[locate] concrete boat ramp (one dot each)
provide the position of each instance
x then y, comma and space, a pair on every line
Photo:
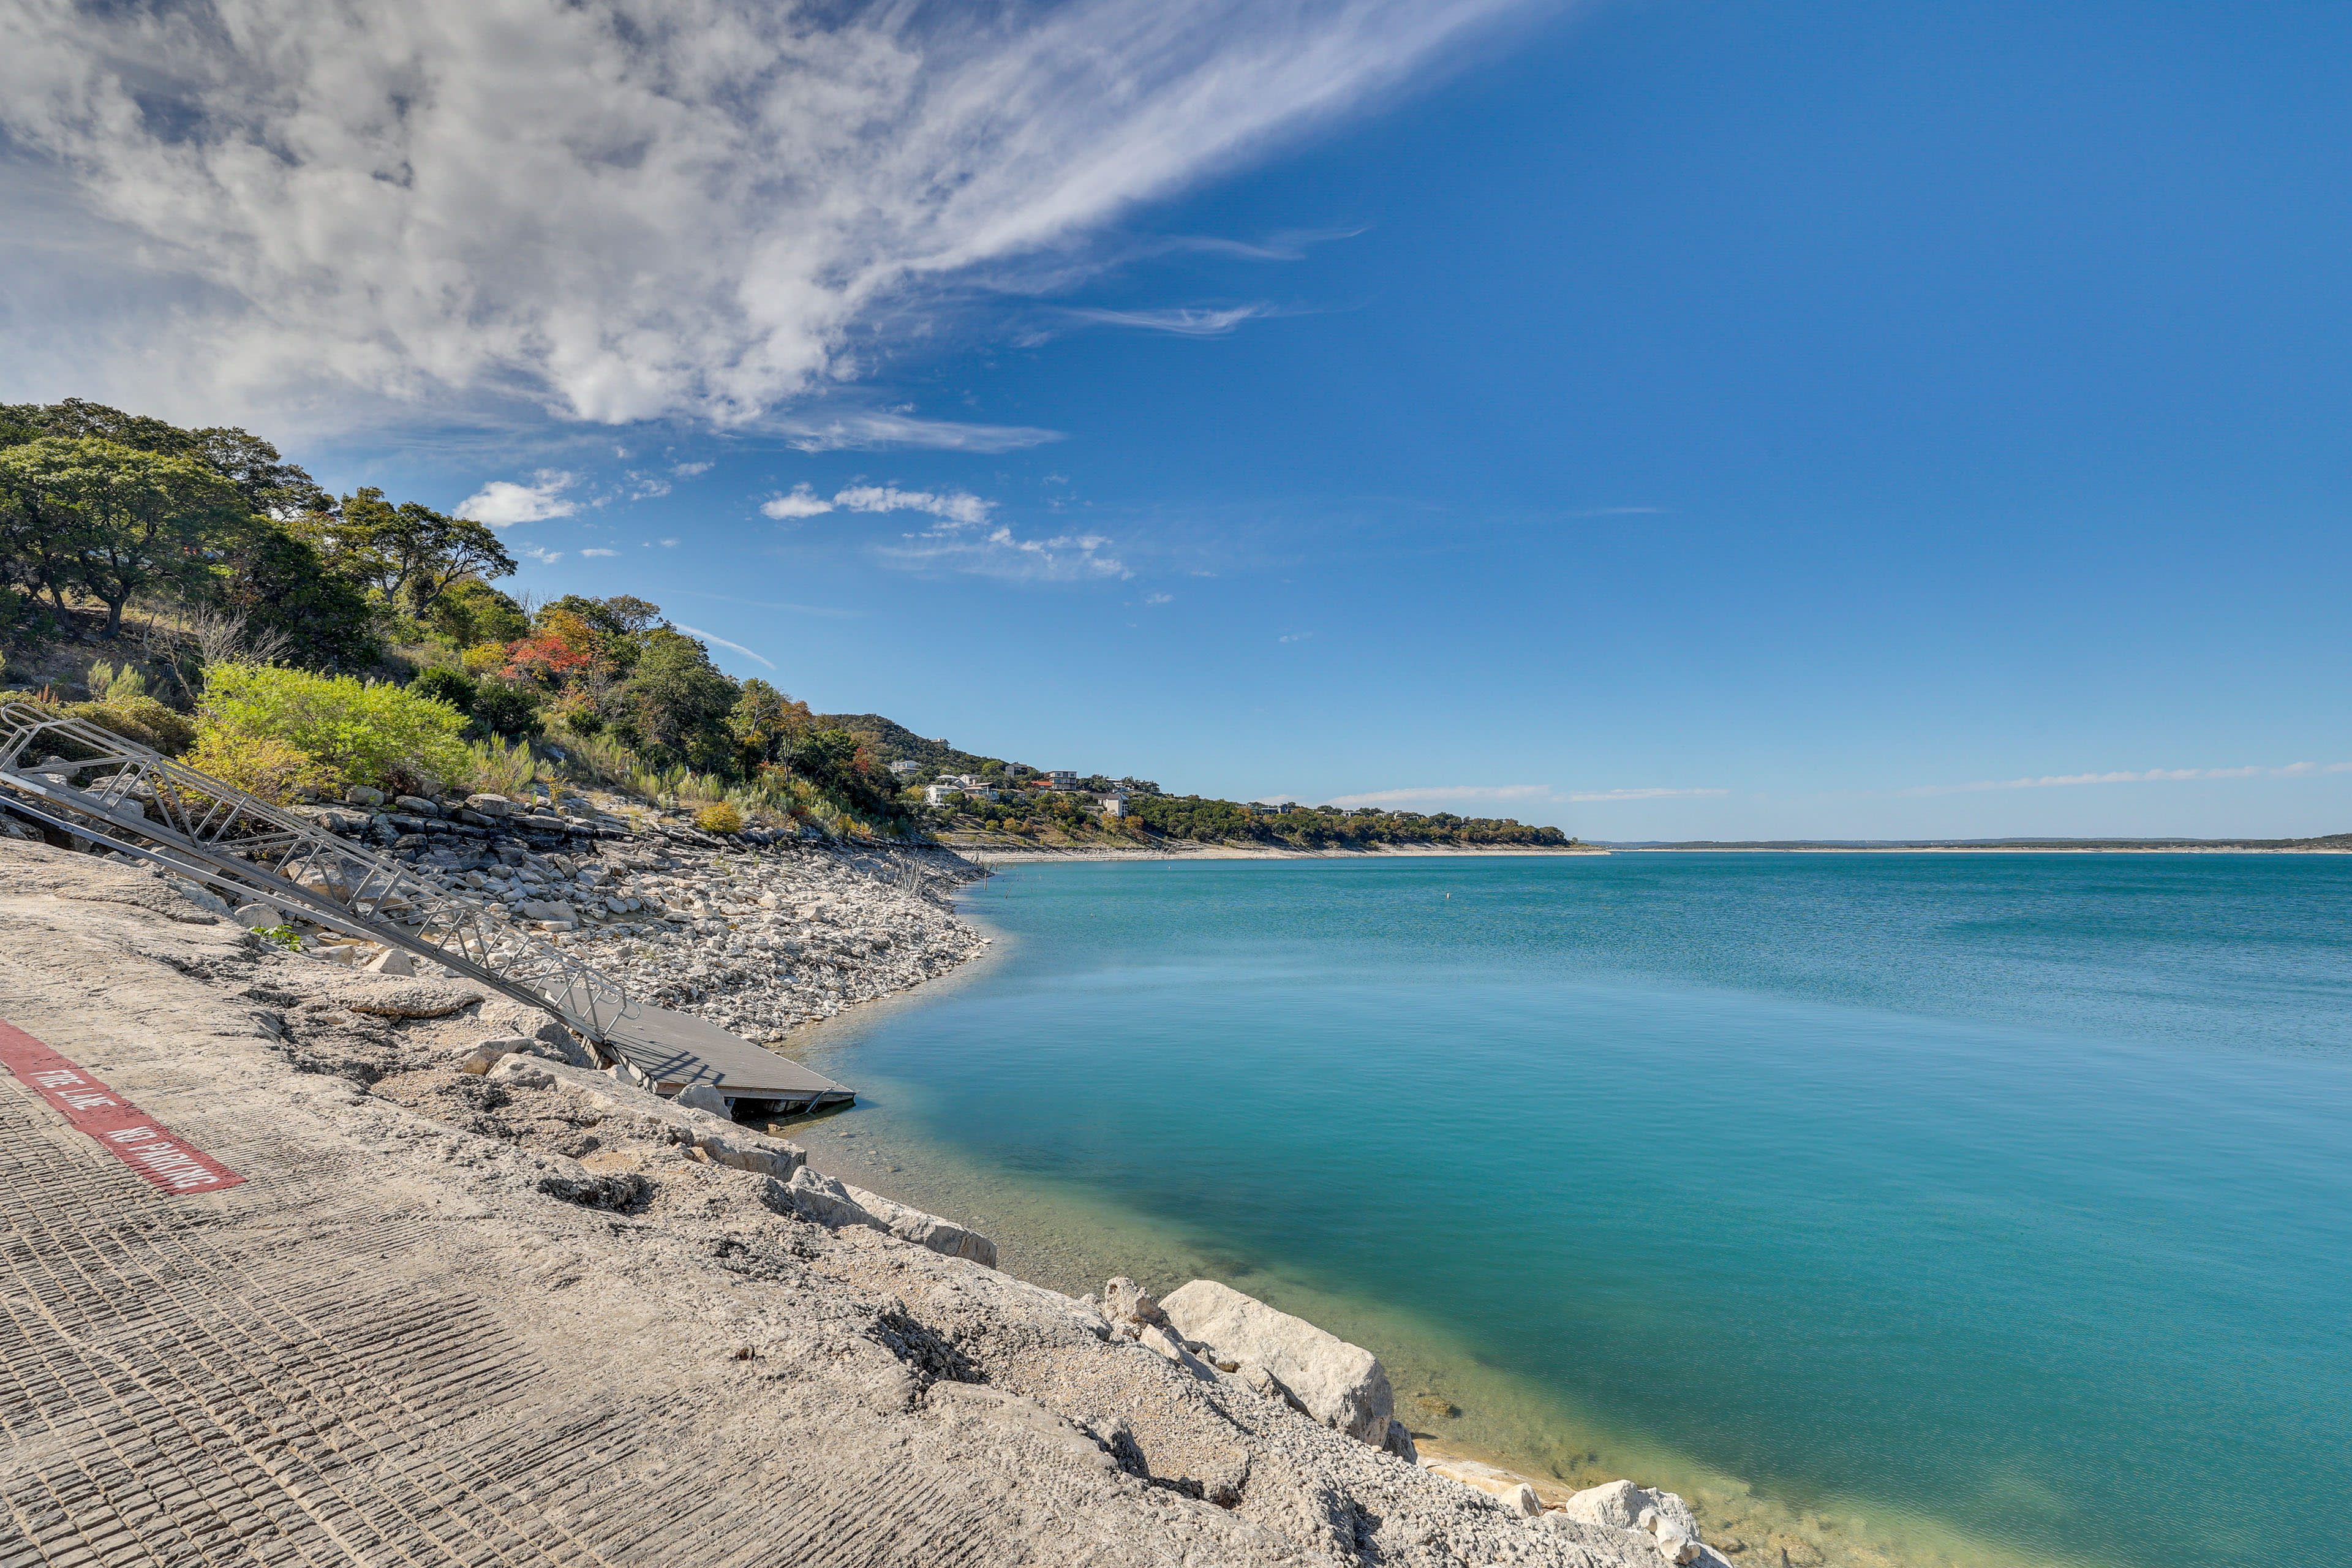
676, 1051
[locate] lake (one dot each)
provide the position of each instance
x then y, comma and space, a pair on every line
1914, 1208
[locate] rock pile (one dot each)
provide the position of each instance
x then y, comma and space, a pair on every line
755, 931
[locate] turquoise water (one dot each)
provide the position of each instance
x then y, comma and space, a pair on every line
1914, 1207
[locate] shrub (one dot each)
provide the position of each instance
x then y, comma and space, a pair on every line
442, 684
263, 765
721, 816
506, 708
361, 732
140, 719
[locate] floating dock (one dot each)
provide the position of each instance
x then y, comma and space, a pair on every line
678, 1051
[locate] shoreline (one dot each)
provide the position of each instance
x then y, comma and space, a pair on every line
984, 854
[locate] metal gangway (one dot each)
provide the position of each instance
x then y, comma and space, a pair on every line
73, 776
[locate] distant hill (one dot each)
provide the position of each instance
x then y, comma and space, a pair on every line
895, 742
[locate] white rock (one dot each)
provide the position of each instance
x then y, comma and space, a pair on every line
485, 1055
701, 1097
833, 1203
257, 915
394, 961
1622, 1505
1342, 1385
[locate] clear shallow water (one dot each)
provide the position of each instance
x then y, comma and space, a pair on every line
1906, 1207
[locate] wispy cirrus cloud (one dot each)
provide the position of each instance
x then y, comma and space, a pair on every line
600, 553
1183, 322
722, 642
614, 210
1000, 552
2145, 775
872, 432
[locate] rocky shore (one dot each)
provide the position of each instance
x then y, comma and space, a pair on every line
751, 1353
756, 931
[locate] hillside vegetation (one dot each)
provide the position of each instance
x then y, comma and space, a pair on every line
194, 592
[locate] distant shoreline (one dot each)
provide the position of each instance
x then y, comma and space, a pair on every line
1008, 856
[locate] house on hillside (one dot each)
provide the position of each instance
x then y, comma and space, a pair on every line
906, 768
937, 794
1061, 778
1111, 804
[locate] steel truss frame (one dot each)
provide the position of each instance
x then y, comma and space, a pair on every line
147, 806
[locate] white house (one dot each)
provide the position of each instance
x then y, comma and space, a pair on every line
1061, 778
905, 769
937, 794
1111, 804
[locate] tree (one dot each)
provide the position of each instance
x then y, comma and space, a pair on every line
277, 582
470, 612
765, 722
272, 487
409, 554
679, 700
117, 519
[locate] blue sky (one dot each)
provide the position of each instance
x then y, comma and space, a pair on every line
1660, 420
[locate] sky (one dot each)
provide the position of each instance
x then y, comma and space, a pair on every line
1661, 420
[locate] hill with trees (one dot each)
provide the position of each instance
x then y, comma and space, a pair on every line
193, 590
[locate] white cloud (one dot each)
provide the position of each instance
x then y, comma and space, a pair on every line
842, 432
2148, 775
1187, 323
689, 470
1294, 636
803, 503
544, 556
616, 209
958, 507
1158, 598
722, 642
669, 544
502, 504
1064, 558
600, 553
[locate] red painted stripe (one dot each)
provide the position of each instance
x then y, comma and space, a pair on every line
122, 1129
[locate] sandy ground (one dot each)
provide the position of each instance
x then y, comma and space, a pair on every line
513, 1319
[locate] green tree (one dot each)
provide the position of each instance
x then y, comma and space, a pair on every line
680, 702
765, 722
277, 582
409, 554
117, 519
469, 611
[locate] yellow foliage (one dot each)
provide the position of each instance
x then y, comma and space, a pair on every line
484, 656
140, 719
720, 817
262, 765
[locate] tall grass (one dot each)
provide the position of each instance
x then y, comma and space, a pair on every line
505, 768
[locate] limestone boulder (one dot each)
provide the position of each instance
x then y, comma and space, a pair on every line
1342, 1385
837, 1203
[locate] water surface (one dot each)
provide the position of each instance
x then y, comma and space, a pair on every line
1904, 1207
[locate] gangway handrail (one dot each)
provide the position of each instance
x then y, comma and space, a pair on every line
155, 809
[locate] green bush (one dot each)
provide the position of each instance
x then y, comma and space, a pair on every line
362, 732
505, 707
721, 816
442, 684
263, 765
140, 719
